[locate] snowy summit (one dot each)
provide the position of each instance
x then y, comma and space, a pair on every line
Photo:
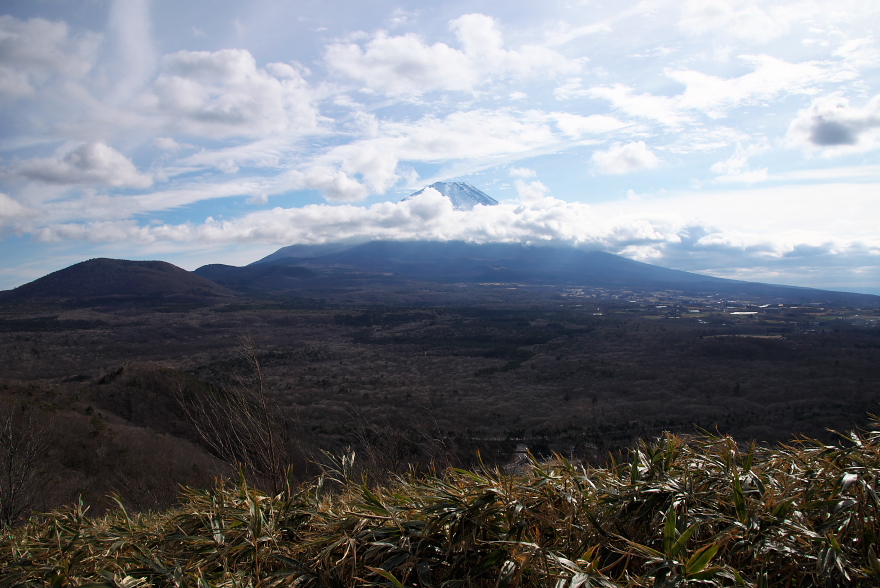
463, 196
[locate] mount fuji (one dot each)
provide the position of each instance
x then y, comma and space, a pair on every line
463, 196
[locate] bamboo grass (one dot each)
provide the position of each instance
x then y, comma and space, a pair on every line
705, 511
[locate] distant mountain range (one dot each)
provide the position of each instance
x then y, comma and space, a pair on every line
394, 262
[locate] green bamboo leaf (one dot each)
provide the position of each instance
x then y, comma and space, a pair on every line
749, 458
634, 468
699, 560
706, 574
682, 541
387, 575
835, 545
669, 532
739, 501
781, 509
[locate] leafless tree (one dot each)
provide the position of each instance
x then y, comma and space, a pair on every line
242, 423
23, 443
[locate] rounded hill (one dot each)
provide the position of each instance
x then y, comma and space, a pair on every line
107, 278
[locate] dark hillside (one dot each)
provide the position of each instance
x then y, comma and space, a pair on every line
269, 276
107, 278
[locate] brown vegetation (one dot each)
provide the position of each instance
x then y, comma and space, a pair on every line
421, 386
709, 512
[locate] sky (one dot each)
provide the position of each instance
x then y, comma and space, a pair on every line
736, 138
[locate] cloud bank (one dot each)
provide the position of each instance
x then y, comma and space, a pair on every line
652, 235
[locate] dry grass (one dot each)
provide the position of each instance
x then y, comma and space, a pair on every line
699, 512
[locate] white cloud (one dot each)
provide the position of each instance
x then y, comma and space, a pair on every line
714, 96
32, 51
12, 209
834, 126
261, 198
428, 216
90, 163
482, 42
336, 185
859, 53
577, 126
403, 65
749, 20
14, 84
224, 94
737, 168
406, 64
135, 57
345, 173
769, 78
746, 234
864, 173
623, 159
169, 144
522, 172
665, 110
719, 232
531, 192
743, 174
352, 171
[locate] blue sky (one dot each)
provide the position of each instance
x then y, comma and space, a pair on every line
735, 138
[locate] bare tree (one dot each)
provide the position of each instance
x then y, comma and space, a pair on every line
23, 443
242, 423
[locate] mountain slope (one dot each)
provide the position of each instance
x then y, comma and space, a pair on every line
463, 195
265, 276
457, 261
108, 278
285, 254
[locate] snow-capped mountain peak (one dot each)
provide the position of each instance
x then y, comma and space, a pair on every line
463, 195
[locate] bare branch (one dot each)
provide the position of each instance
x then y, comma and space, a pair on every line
242, 423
